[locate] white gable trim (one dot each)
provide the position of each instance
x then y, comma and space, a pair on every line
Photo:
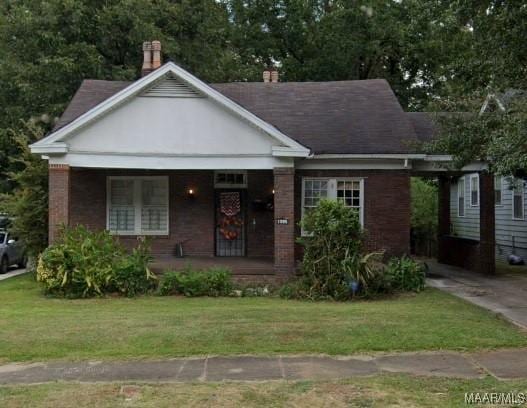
48, 144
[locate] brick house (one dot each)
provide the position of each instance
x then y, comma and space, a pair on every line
225, 171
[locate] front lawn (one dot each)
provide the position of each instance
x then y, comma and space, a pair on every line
33, 327
378, 391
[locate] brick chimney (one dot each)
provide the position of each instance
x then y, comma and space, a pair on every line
274, 75
156, 54
267, 75
151, 57
147, 58
270, 74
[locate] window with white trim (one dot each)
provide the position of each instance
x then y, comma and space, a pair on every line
497, 190
461, 197
348, 190
230, 179
474, 190
518, 200
137, 205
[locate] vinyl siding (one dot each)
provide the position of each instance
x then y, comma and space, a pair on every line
506, 227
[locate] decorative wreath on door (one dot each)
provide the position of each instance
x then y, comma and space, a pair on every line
230, 222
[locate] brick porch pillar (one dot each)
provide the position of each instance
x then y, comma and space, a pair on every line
59, 199
443, 222
487, 228
284, 224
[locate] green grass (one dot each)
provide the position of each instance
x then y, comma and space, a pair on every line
378, 391
33, 327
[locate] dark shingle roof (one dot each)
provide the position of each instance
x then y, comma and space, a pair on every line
424, 125
360, 117
91, 93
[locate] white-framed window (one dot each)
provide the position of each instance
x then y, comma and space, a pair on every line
518, 205
461, 197
137, 205
348, 190
230, 179
474, 190
498, 186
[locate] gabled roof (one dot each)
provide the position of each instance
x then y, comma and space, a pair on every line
93, 106
503, 101
339, 117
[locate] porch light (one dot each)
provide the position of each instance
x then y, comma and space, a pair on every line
273, 190
190, 192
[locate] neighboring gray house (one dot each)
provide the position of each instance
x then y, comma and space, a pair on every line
511, 224
510, 197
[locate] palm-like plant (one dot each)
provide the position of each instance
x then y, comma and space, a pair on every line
361, 268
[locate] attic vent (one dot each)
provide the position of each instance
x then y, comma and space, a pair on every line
171, 87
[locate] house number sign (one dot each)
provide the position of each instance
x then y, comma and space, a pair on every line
282, 221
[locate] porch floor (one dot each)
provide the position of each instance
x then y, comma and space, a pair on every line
238, 265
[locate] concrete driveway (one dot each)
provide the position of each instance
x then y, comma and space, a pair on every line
11, 273
505, 294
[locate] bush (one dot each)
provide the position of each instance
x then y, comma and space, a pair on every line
293, 290
333, 245
85, 264
132, 276
405, 274
215, 281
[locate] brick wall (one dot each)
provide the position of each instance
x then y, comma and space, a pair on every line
192, 219
59, 199
386, 213
284, 235
387, 206
487, 224
462, 252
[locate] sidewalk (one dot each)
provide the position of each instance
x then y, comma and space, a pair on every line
502, 294
11, 274
504, 364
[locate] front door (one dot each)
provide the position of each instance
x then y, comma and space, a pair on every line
230, 223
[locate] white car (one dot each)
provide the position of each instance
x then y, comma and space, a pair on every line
12, 252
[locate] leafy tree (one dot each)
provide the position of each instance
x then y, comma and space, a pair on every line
409, 43
493, 61
28, 202
48, 47
496, 137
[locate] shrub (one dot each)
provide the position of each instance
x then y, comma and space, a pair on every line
334, 242
169, 283
132, 276
219, 281
85, 263
405, 274
363, 268
215, 281
293, 290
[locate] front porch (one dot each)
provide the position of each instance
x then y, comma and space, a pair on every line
214, 218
